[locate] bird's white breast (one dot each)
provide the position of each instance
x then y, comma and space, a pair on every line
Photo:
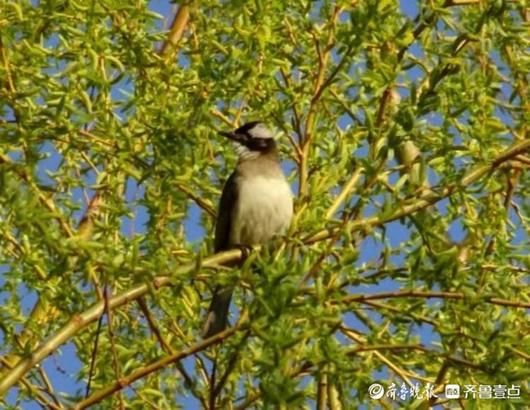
264, 209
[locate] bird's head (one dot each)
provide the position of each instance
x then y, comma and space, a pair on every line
252, 139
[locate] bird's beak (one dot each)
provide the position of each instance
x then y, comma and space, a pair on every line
231, 135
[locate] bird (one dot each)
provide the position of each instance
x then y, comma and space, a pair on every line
256, 205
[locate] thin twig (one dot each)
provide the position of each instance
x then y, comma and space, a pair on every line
114, 354
36, 390
345, 192
93, 356
322, 391
231, 364
155, 366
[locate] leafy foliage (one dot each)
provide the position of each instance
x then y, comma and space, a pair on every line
406, 139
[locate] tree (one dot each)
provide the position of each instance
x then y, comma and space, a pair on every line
406, 138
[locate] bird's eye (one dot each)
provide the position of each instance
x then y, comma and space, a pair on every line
258, 144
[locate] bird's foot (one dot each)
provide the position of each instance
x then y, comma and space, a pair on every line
245, 250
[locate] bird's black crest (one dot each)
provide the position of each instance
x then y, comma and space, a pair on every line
245, 128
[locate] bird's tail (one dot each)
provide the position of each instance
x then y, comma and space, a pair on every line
217, 316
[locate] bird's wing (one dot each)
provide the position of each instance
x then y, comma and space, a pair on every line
217, 316
224, 217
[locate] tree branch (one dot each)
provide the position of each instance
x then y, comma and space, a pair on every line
125, 381
319, 86
429, 198
431, 295
177, 30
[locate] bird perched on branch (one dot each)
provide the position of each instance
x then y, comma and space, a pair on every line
256, 204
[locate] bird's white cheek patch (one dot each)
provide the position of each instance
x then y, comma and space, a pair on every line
244, 153
265, 209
